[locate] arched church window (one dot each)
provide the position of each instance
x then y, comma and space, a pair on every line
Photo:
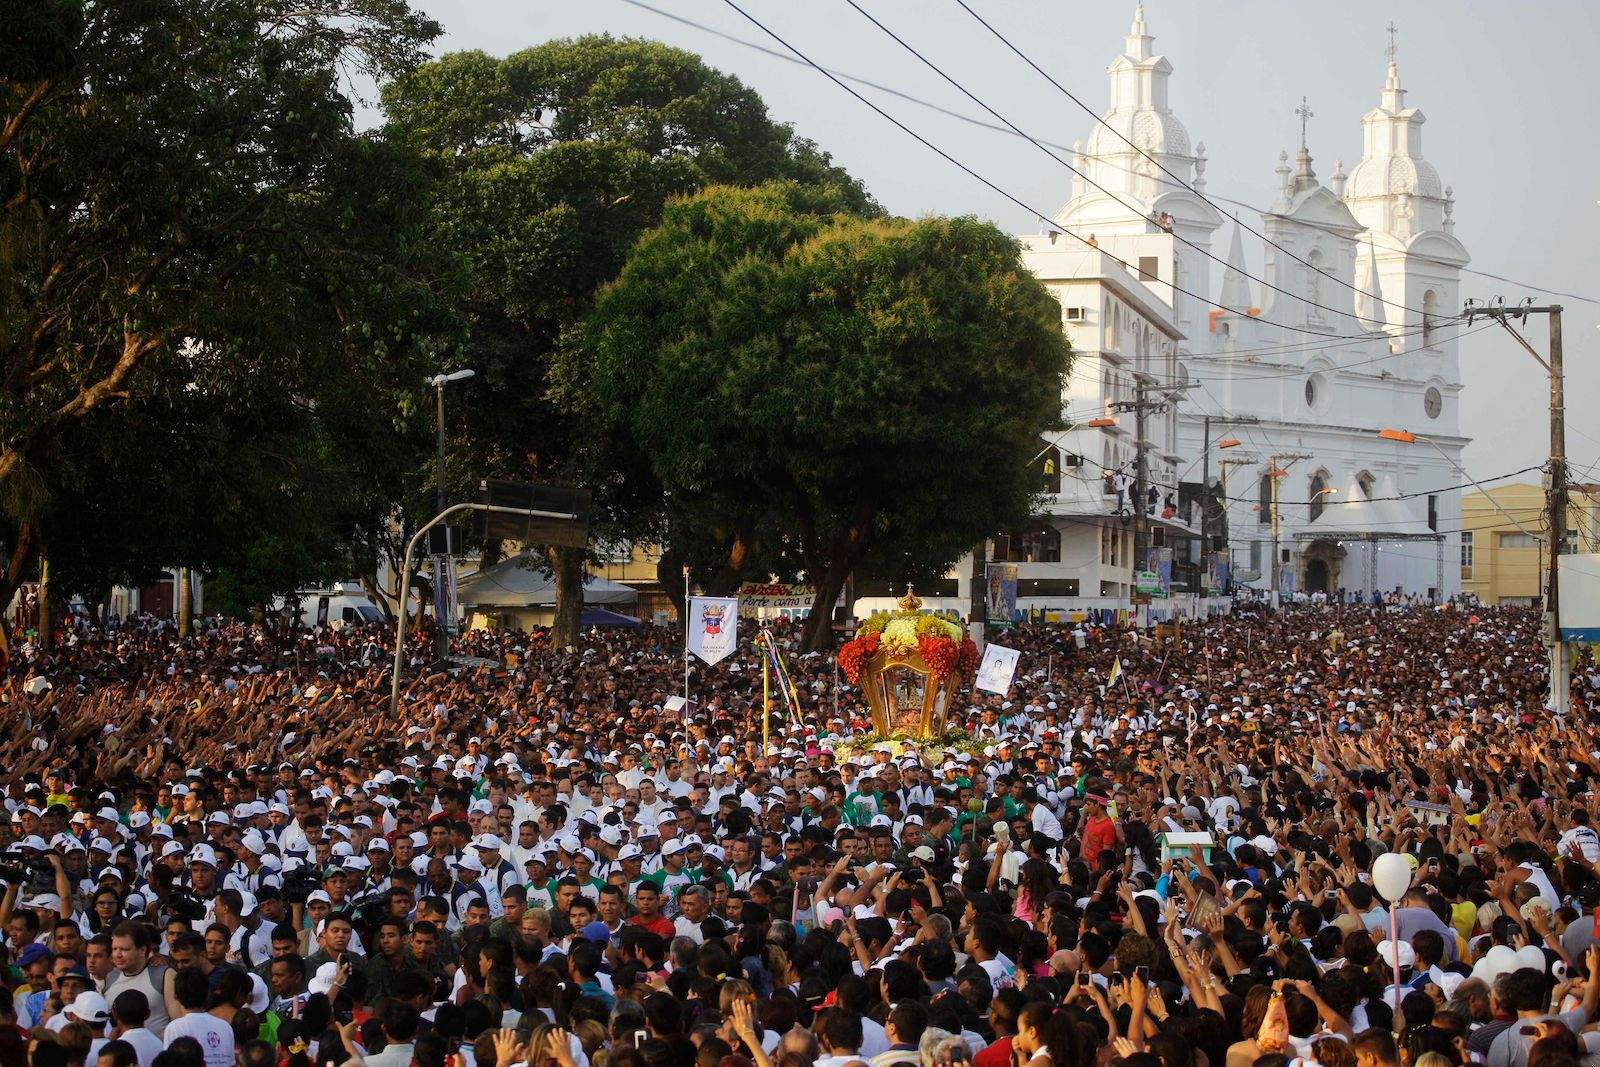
1317, 494
1264, 500
1430, 317
1365, 482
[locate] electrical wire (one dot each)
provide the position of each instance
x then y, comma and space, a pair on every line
970, 172
1181, 182
993, 127
1118, 200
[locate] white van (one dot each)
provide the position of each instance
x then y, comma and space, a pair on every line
330, 608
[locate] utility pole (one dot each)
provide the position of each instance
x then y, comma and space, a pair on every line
1141, 405
1556, 475
1205, 471
1276, 474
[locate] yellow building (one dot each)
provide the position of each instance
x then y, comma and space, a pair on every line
1504, 541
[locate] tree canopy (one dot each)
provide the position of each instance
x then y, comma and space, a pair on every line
548, 165
857, 391
193, 237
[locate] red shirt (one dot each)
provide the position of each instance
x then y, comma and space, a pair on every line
996, 1055
659, 925
1099, 834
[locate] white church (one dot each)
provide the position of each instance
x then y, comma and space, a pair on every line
1319, 397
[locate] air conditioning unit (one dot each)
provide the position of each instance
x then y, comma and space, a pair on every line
1077, 314
1071, 459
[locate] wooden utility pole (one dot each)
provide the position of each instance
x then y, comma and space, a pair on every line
1556, 480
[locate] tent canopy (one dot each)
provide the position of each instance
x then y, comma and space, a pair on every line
606, 617
522, 582
1349, 515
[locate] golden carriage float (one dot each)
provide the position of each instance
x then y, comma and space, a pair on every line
909, 665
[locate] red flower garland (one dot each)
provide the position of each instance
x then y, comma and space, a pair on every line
939, 653
853, 655
969, 659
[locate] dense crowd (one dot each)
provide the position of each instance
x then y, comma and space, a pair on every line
1152, 852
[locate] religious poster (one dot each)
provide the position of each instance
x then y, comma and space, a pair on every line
994, 673
713, 627
1000, 594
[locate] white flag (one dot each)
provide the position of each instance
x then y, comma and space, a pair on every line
994, 673
713, 627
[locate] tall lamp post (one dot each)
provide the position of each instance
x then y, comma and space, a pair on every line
442, 560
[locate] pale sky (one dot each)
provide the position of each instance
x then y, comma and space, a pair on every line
1507, 89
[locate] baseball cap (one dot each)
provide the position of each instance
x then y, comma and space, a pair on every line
597, 931
90, 1007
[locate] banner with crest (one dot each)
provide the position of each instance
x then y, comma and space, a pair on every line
713, 626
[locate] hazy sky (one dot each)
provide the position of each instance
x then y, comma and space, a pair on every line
1507, 89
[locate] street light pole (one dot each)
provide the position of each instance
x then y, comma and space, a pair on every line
442, 560
405, 577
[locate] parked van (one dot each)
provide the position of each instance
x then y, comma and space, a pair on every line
330, 608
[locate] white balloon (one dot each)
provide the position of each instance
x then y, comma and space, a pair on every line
1391, 875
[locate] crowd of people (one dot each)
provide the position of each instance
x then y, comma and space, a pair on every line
1153, 851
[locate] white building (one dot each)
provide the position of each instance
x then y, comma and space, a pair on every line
1347, 331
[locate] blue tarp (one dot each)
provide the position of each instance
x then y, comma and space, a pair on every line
602, 617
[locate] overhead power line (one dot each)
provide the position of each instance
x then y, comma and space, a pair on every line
1180, 181
972, 120
1119, 200
952, 160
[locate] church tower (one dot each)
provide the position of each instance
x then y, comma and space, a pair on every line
1397, 196
1134, 199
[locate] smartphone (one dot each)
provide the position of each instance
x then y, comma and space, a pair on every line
1142, 973
640, 1037
1529, 1031
1083, 978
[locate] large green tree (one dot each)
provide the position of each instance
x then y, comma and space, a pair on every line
191, 230
859, 392
549, 164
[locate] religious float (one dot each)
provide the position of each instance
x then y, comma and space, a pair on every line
909, 665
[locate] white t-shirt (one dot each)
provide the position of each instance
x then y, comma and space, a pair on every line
214, 1035
146, 1045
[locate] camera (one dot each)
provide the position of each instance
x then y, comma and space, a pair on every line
182, 904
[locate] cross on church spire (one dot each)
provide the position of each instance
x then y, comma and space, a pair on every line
1391, 49
1306, 114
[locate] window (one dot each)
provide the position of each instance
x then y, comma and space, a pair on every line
1317, 494
1316, 392
1432, 403
1255, 556
1076, 314
1466, 554
1433, 512
1516, 540
1047, 587
1264, 501
1149, 269
1570, 545
1430, 317
1364, 482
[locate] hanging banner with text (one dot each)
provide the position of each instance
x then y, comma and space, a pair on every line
994, 673
766, 599
713, 627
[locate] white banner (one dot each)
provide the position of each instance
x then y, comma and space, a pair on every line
994, 673
756, 598
713, 627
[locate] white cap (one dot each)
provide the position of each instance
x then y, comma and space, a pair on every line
488, 842
89, 1007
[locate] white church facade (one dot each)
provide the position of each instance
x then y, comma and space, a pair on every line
1320, 397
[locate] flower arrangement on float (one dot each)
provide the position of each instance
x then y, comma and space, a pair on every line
909, 665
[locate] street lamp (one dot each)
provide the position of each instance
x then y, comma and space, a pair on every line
441, 561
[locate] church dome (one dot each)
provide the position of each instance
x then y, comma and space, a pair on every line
1156, 132
1388, 175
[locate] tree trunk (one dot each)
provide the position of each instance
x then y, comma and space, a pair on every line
817, 633
669, 575
21, 561
567, 566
